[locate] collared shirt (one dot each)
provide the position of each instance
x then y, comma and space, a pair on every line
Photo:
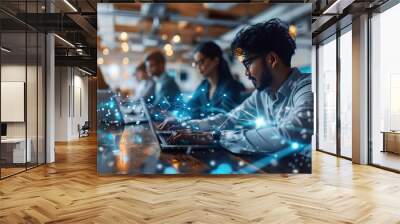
282, 118
159, 81
145, 89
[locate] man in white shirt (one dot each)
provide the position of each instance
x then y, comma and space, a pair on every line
146, 86
166, 89
281, 107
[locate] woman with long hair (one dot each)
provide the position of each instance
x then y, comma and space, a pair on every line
219, 92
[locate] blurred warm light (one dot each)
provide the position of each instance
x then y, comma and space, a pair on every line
123, 36
176, 38
125, 60
293, 31
199, 29
125, 47
100, 61
164, 36
168, 47
106, 51
169, 53
182, 24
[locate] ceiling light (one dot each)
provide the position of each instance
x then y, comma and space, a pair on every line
199, 29
100, 61
182, 24
164, 37
106, 51
65, 41
125, 47
167, 47
337, 7
70, 5
5, 50
125, 60
123, 36
169, 53
176, 38
84, 71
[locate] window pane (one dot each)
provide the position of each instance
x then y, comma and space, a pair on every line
385, 84
346, 94
327, 97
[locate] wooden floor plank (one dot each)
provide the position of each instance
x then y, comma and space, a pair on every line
70, 191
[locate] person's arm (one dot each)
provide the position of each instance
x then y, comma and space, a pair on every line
295, 130
229, 95
244, 113
193, 108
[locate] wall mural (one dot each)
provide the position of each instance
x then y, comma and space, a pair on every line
204, 88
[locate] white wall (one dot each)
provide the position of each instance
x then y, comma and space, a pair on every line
70, 83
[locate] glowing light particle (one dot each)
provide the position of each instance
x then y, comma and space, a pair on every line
170, 170
212, 163
295, 145
260, 122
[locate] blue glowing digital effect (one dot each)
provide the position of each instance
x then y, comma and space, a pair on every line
138, 139
111, 104
170, 170
222, 168
295, 145
260, 122
305, 69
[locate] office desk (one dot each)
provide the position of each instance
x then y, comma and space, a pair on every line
133, 150
391, 141
13, 150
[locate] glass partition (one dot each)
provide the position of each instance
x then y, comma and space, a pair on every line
22, 89
327, 96
346, 93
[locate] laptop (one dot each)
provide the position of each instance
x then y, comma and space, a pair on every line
131, 111
163, 136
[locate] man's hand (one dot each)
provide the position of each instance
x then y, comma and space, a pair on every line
191, 138
168, 123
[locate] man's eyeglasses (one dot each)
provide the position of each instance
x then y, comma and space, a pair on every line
248, 61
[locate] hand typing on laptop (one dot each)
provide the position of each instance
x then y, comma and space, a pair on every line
192, 138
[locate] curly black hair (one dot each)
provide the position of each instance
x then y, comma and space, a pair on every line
262, 38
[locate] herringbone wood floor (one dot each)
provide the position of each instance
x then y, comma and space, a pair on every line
70, 191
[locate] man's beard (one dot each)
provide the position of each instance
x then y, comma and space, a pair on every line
265, 79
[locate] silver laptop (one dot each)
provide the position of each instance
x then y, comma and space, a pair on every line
163, 136
132, 111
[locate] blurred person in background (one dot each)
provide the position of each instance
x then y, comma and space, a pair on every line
166, 90
146, 85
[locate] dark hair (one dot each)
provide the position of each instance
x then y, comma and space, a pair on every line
157, 56
212, 50
141, 67
262, 38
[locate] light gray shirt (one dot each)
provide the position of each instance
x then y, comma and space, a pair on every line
145, 89
283, 118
